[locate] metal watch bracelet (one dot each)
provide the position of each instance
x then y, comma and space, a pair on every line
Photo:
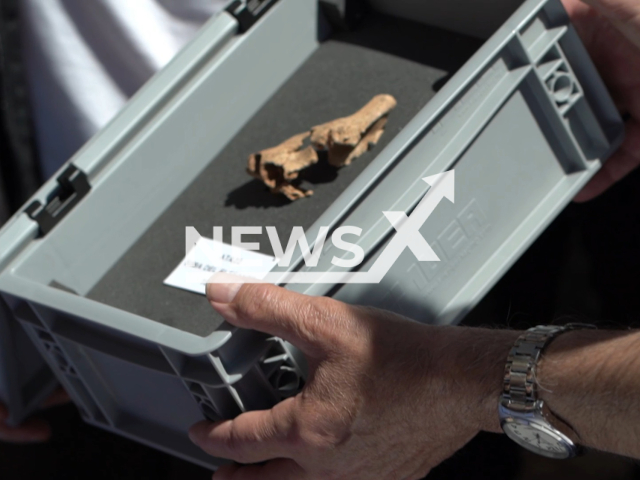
520, 386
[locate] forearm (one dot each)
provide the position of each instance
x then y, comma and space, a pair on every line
589, 378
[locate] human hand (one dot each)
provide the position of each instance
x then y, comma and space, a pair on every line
386, 398
33, 430
610, 30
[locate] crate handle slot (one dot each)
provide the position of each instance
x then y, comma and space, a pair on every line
73, 186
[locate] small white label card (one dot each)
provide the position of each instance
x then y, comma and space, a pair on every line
208, 257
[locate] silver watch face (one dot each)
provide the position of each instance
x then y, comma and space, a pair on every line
538, 439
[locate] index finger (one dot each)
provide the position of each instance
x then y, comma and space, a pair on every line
252, 437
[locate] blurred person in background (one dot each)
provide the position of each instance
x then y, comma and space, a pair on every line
67, 67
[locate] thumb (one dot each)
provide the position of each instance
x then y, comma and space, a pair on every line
306, 322
624, 14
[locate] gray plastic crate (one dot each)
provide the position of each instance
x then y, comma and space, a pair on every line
524, 120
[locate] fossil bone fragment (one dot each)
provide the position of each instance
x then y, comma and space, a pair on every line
349, 137
277, 167
344, 139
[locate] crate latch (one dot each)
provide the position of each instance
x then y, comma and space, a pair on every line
73, 185
248, 12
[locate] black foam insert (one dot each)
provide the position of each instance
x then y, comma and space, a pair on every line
384, 55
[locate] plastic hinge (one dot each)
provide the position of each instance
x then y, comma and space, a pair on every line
73, 185
248, 12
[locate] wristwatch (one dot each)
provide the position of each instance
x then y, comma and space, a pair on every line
523, 416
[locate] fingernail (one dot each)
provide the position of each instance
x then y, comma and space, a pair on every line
223, 287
